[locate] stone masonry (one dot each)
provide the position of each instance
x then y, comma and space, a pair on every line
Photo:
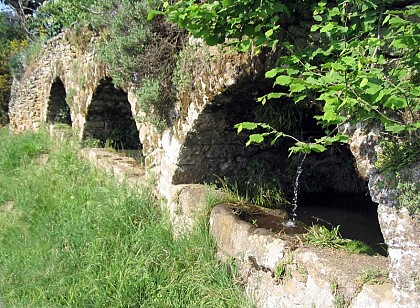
201, 141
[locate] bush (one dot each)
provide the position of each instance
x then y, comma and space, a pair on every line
5, 84
139, 52
24, 55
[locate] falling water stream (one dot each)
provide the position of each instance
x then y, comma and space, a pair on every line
291, 223
296, 187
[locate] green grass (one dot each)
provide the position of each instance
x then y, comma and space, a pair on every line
321, 236
77, 238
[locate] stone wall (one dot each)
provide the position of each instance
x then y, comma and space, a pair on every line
399, 228
201, 141
58, 61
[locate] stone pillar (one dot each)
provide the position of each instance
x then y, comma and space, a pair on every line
399, 227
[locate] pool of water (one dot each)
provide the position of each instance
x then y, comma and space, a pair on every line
354, 224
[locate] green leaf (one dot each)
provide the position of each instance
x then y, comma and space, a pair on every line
283, 80
373, 89
271, 73
297, 87
318, 148
227, 2
337, 87
300, 147
262, 99
386, 19
292, 71
300, 98
317, 18
328, 27
395, 128
256, 138
245, 45
351, 61
396, 21
269, 33
275, 95
364, 82
246, 125
151, 15
340, 138
398, 102
315, 28
399, 43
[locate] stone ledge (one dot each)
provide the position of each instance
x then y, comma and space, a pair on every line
242, 241
124, 168
277, 274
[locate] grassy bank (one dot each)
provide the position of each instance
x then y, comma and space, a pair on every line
71, 236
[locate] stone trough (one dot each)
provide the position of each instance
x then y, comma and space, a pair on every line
278, 271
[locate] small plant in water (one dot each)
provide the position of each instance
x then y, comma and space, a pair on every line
321, 236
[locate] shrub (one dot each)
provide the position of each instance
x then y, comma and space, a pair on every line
5, 84
24, 55
139, 52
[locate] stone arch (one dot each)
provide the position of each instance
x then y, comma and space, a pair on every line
109, 118
58, 111
332, 193
212, 147
213, 150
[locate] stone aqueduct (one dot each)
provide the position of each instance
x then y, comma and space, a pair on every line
66, 84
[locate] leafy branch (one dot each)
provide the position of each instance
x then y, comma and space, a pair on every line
361, 64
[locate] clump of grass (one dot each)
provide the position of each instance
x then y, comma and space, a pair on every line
213, 196
15, 154
355, 246
321, 236
77, 238
373, 276
396, 155
253, 192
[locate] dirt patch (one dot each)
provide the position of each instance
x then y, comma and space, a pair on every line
6, 207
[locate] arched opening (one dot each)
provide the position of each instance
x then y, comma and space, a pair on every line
330, 192
109, 119
57, 109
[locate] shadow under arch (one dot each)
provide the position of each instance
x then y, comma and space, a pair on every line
110, 120
331, 192
58, 111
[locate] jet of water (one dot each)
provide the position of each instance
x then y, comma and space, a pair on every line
296, 186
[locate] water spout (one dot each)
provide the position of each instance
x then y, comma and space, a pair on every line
296, 187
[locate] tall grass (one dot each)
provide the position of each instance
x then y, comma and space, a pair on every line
71, 236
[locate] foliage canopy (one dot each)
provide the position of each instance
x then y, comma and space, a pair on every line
10, 40
360, 65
